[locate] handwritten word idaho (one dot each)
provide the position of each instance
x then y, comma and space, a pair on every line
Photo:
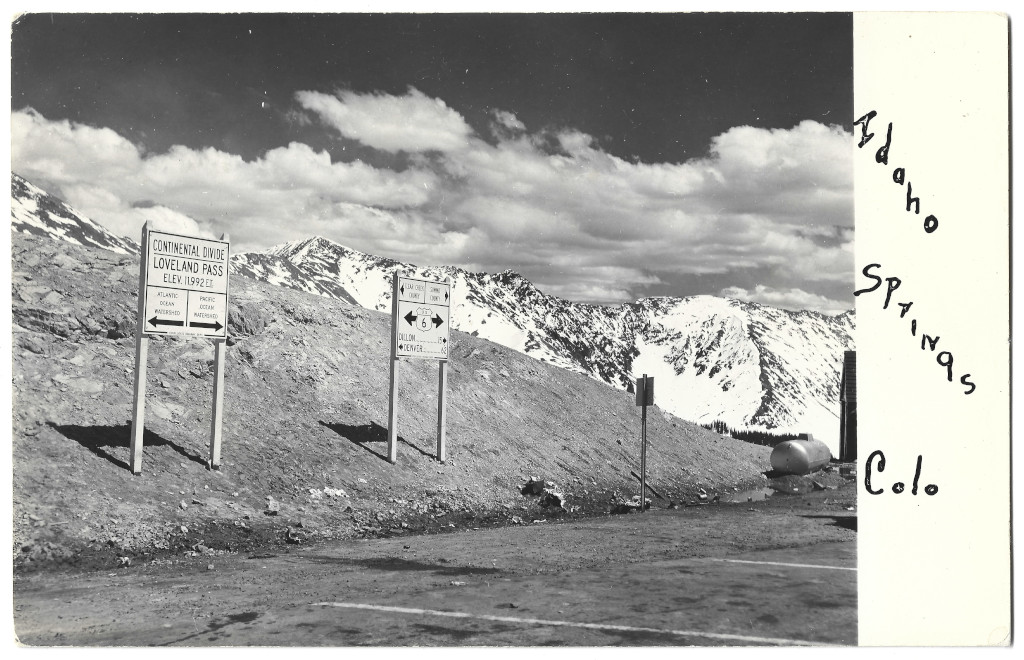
899, 175
928, 342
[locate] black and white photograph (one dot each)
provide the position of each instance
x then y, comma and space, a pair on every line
463, 330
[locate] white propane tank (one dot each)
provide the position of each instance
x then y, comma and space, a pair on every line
800, 456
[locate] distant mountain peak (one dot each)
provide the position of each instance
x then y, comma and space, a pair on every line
34, 211
292, 248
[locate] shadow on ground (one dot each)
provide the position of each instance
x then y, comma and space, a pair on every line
363, 434
401, 564
99, 438
846, 522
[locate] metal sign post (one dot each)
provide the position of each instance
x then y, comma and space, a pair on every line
644, 398
183, 290
442, 413
393, 380
420, 328
141, 355
220, 347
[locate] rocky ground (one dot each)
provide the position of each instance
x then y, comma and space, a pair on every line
304, 453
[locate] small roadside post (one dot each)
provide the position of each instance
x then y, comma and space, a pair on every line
420, 328
644, 398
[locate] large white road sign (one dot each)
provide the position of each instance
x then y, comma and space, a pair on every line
422, 319
186, 285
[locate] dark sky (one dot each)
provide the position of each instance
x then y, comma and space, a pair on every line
651, 86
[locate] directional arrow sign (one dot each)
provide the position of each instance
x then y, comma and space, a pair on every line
196, 324
419, 328
186, 285
157, 321
422, 318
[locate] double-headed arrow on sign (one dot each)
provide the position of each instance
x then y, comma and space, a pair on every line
410, 318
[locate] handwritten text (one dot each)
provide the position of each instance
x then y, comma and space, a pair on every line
899, 175
928, 342
899, 486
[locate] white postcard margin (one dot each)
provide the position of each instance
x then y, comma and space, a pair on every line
934, 569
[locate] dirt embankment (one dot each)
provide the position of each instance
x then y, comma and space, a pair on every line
304, 426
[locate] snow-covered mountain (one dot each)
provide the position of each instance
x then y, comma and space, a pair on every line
34, 211
749, 365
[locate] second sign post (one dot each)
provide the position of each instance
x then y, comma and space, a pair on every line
420, 328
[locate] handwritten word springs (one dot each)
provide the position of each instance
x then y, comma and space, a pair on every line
928, 342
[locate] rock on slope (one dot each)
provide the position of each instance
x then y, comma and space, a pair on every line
305, 407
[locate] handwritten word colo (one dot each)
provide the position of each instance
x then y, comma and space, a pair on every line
899, 486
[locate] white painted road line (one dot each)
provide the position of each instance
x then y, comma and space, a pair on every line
779, 563
572, 624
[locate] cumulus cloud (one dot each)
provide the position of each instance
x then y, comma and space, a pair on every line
290, 191
414, 122
729, 212
577, 220
803, 175
505, 123
69, 153
127, 220
604, 283
165, 219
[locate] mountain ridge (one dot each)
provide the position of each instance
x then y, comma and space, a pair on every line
34, 211
750, 365
796, 380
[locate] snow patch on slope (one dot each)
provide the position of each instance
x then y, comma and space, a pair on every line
34, 211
